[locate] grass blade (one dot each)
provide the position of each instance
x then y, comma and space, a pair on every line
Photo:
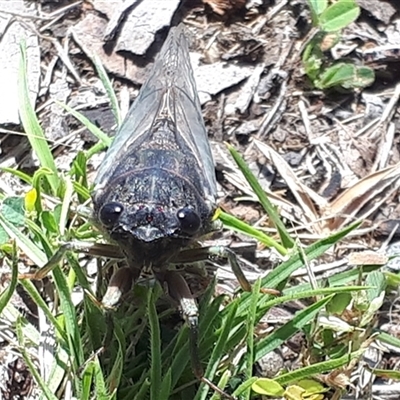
101, 392
23, 242
251, 322
70, 318
104, 139
279, 336
218, 351
237, 225
286, 239
318, 368
6, 295
109, 88
41, 303
32, 368
155, 345
32, 127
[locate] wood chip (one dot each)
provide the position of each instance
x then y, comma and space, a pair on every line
248, 90
59, 91
143, 22
119, 12
14, 32
212, 79
109, 7
379, 9
366, 195
88, 33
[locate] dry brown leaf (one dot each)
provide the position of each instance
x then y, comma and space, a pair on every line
367, 258
345, 207
222, 7
305, 196
337, 379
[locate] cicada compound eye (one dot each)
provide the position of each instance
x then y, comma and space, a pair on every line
110, 213
189, 220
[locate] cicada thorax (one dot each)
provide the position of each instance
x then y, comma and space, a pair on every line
154, 203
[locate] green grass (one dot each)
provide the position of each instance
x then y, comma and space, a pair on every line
148, 357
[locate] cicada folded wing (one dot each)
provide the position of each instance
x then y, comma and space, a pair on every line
169, 92
157, 181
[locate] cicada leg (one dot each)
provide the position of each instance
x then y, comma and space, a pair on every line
179, 290
204, 253
94, 249
119, 284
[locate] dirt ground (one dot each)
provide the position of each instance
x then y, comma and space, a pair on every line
326, 158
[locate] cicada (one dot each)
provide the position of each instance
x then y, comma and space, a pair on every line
155, 193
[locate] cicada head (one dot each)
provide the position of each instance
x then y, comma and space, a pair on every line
153, 213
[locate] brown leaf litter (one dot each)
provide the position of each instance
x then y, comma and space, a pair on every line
324, 159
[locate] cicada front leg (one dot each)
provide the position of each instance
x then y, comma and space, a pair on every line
90, 248
178, 289
205, 253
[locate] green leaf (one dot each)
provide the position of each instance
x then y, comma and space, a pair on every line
13, 210
386, 374
66, 204
339, 15
375, 296
317, 7
49, 222
244, 386
221, 384
23, 242
69, 315
106, 140
114, 378
284, 270
29, 362
144, 388
31, 289
336, 75
87, 379
3, 236
100, 388
318, 368
338, 303
166, 384
19, 174
79, 172
386, 338
218, 351
363, 77
251, 323
312, 65
311, 386
376, 280
268, 387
